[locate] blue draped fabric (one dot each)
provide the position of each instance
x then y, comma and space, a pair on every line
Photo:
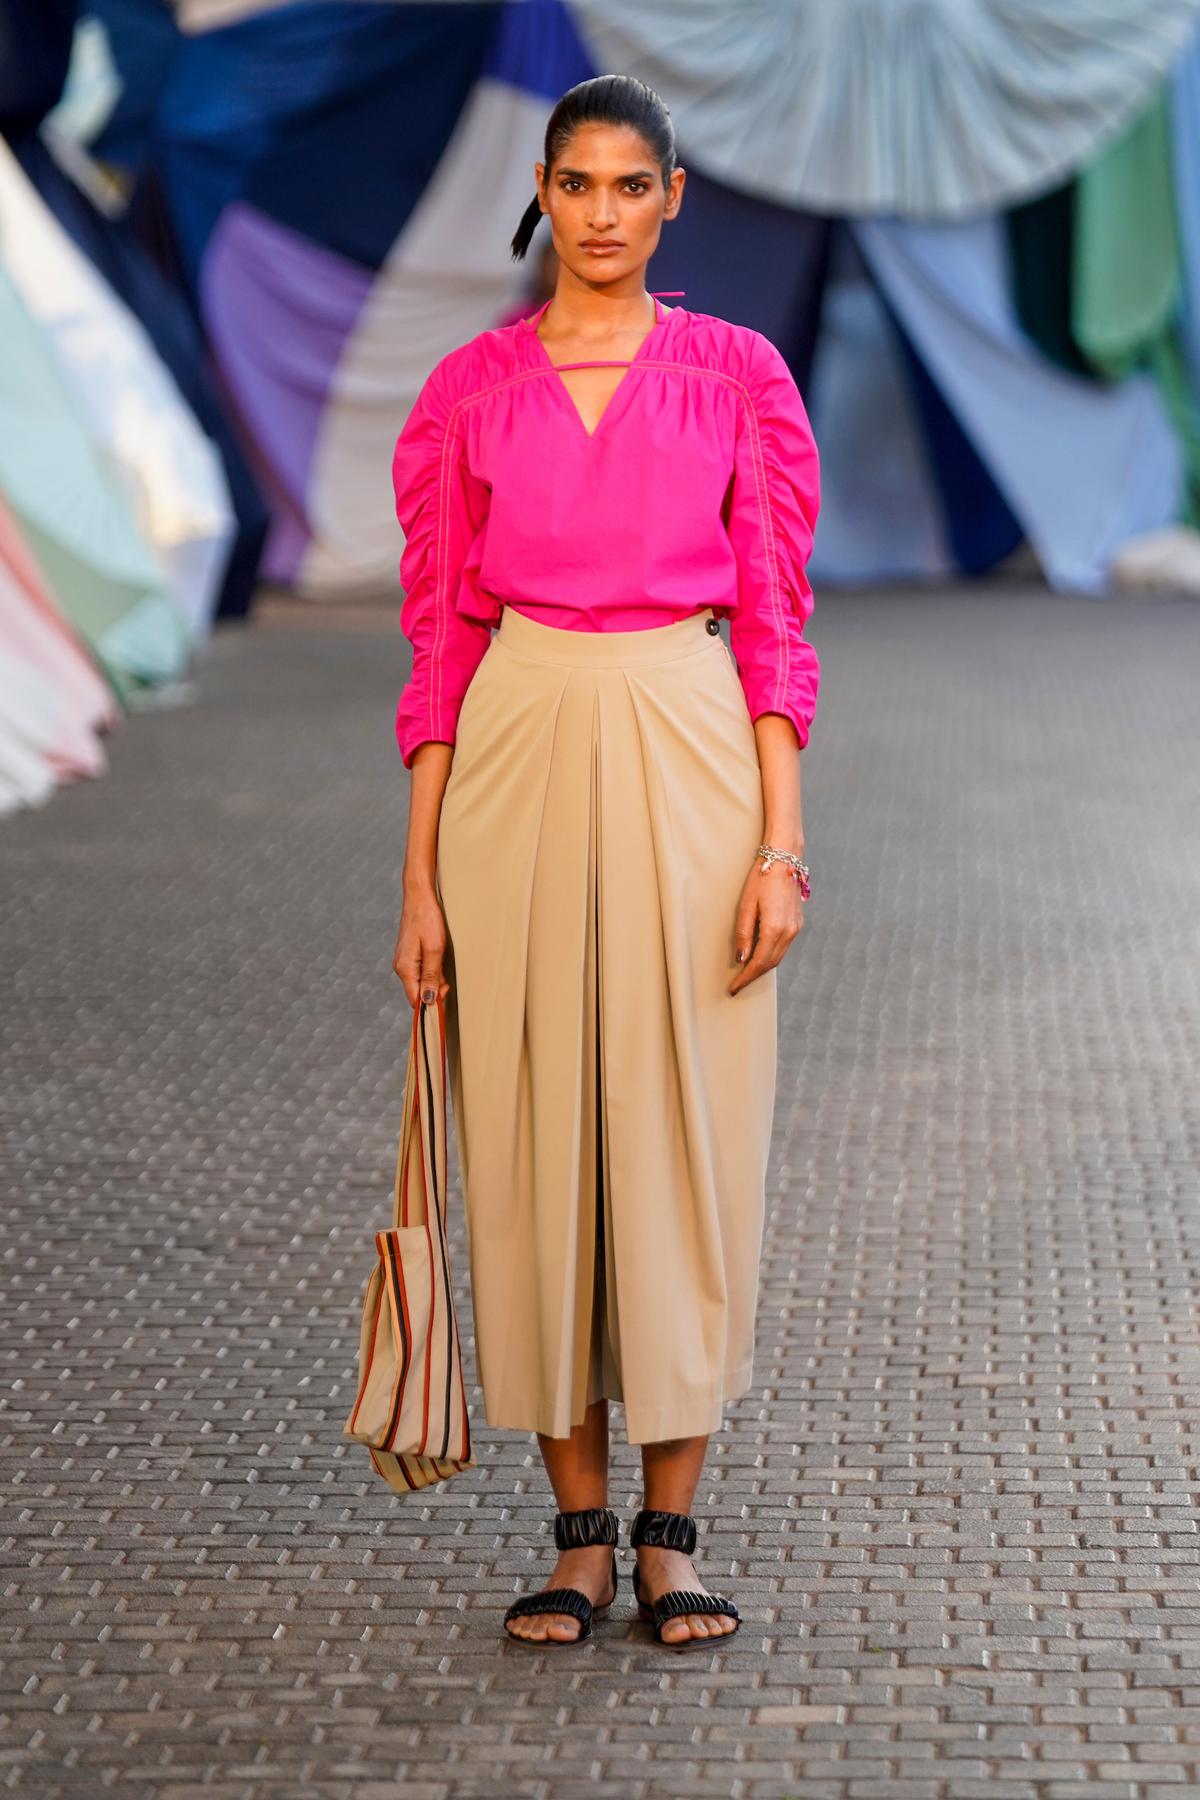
537, 48
1084, 468
881, 515
322, 116
143, 39
35, 48
1185, 145
980, 526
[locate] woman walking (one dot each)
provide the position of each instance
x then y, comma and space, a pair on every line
603, 867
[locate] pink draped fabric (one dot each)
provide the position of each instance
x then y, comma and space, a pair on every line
36, 636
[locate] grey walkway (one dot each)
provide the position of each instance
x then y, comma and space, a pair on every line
959, 1509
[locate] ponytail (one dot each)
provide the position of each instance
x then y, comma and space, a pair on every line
523, 235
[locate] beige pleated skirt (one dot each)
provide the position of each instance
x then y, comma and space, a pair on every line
612, 1101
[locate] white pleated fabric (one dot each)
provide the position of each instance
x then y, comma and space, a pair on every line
72, 512
91, 91
170, 471
613, 1101
926, 108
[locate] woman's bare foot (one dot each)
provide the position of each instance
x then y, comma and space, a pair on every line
589, 1570
661, 1570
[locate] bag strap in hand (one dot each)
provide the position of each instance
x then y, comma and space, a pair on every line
421, 1156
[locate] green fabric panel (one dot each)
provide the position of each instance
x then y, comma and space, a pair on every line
1126, 266
1127, 275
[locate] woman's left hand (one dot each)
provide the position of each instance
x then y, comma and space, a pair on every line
770, 904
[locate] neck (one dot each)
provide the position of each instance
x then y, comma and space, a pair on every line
585, 314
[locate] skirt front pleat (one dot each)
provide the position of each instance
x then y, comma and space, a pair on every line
612, 1101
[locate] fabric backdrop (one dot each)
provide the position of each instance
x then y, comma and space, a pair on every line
931, 108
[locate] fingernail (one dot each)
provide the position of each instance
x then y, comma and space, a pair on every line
427, 996
741, 956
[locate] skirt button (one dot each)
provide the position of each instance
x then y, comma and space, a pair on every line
712, 626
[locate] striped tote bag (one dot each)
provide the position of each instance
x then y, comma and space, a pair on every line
410, 1409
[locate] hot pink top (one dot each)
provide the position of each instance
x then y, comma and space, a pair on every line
699, 487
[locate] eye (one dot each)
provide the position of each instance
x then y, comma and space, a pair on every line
638, 186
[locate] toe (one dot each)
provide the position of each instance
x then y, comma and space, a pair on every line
562, 1625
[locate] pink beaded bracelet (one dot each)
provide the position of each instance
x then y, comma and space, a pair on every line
796, 869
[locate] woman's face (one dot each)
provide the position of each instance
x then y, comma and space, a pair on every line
606, 185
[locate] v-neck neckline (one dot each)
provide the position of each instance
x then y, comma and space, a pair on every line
534, 320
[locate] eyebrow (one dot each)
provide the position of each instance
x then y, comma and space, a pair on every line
630, 175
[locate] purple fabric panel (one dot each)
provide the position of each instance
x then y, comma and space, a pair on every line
278, 310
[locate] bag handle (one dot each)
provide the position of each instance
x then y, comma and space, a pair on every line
421, 1161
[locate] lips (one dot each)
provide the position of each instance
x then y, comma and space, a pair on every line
601, 244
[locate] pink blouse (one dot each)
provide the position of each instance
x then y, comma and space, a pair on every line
699, 487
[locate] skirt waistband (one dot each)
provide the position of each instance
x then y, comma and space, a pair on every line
539, 642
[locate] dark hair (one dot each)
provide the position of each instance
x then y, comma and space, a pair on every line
604, 100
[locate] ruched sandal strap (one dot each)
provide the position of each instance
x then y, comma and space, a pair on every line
668, 1530
590, 1525
677, 1601
556, 1600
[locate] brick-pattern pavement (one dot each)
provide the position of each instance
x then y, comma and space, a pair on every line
958, 1510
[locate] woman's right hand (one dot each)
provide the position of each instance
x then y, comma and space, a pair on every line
421, 947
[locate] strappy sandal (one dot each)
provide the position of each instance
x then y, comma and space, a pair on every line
675, 1531
572, 1531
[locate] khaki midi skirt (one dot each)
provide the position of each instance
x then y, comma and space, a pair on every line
612, 1101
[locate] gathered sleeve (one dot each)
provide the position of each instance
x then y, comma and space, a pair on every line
442, 509
771, 516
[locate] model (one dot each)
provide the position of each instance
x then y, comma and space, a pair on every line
603, 867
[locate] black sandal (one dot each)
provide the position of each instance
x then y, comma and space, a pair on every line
572, 1531
675, 1531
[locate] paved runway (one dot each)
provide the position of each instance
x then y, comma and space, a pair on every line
959, 1509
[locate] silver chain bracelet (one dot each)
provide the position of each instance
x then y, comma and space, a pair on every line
796, 869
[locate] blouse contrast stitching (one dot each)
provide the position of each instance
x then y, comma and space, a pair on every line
643, 363
440, 599
783, 678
